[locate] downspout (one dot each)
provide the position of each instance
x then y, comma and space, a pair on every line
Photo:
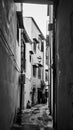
22, 83
54, 87
50, 81
52, 66
55, 6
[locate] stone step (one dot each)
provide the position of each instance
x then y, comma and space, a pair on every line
30, 127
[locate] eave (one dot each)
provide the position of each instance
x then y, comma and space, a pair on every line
35, 1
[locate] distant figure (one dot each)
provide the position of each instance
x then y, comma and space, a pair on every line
28, 104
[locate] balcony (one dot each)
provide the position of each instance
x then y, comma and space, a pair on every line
37, 60
40, 62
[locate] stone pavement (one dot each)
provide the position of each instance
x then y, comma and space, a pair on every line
36, 118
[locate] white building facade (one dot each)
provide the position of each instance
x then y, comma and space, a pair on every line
36, 66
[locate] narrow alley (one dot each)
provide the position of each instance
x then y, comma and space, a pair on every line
36, 69
36, 118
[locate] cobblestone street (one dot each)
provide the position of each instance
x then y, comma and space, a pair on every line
36, 118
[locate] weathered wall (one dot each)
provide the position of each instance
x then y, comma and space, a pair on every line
9, 65
44, 63
27, 21
27, 87
33, 32
64, 42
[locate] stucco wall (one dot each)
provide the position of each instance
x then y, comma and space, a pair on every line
9, 64
31, 28
27, 90
33, 32
64, 42
8, 89
27, 87
28, 63
45, 66
27, 25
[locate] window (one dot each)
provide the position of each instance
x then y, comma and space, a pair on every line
30, 57
24, 56
34, 70
24, 51
42, 46
39, 45
47, 58
39, 72
34, 46
46, 75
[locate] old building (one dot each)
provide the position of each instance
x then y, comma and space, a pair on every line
62, 64
26, 67
10, 59
46, 70
35, 60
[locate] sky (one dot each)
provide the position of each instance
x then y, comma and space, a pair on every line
39, 13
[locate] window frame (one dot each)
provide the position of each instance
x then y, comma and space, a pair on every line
34, 71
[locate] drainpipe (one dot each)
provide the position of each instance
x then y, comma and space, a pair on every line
54, 66
22, 83
22, 78
55, 4
22, 75
50, 82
